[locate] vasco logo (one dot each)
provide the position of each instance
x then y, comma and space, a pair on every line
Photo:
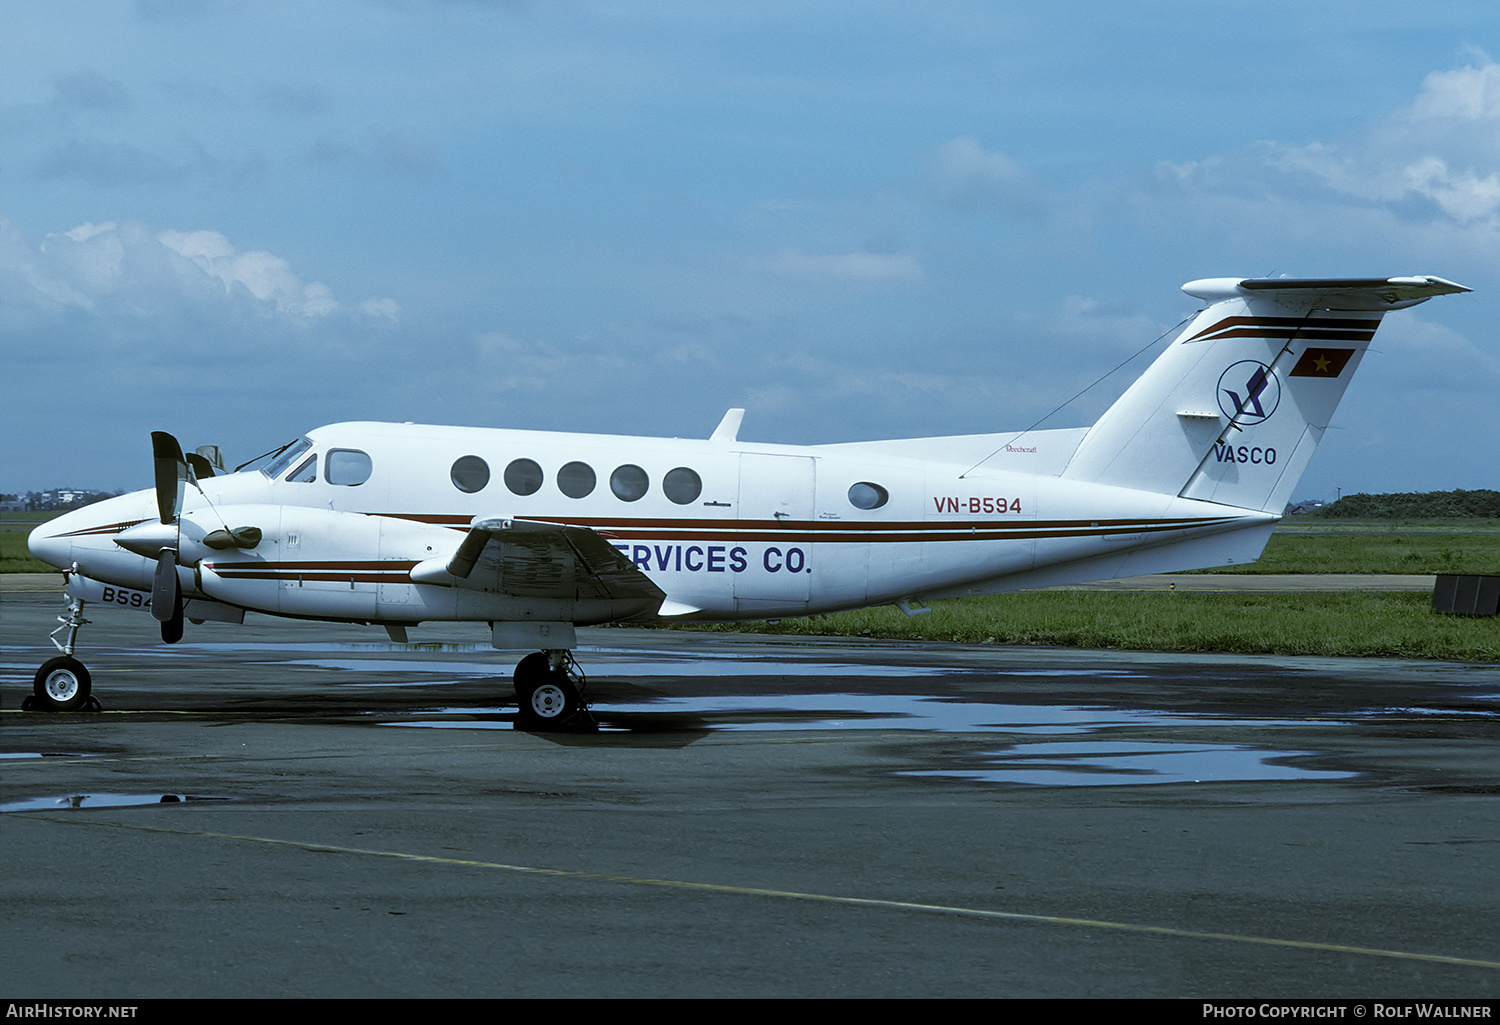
1249, 392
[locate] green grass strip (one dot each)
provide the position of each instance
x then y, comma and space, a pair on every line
1351, 623
1345, 548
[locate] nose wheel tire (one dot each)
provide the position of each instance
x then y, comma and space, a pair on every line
62, 685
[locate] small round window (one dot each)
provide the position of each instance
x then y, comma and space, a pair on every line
865, 495
470, 474
682, 485
576, 479
629, 482
523, 477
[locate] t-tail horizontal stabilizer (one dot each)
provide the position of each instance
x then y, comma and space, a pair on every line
1233, 409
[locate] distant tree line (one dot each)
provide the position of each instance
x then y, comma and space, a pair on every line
53, 500
1480, 504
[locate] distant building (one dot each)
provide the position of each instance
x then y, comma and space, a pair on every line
55, 499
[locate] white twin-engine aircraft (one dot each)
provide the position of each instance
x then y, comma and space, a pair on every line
535, 533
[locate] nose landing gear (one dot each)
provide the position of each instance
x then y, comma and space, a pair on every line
63, 684
549, 690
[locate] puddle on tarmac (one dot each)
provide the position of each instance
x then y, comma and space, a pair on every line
639, 664
749, 712
1131, 763
1417, 712
1089, 756
904, 712
44, 754
103, 801
1089, 762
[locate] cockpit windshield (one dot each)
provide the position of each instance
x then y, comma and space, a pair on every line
288, 456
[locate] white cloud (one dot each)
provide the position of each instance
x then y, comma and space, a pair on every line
267, 277
1464, 196
969, 176
508, 364
1472, 93
848, 268
386, 310
125, 268
1444, 147
86, 231
1414, 353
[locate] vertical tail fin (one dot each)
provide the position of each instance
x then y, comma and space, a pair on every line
1233, 409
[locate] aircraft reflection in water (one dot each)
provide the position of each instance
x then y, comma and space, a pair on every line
535, 533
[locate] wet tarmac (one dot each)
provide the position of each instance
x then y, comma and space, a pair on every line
296, 809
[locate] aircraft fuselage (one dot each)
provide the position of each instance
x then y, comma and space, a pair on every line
727, 530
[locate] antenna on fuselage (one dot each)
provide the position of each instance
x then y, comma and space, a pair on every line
1011, 440
729, 427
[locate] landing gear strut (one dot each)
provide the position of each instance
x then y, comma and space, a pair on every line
63, 684
549, 690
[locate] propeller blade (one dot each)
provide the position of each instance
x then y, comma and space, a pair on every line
171, 629
166, 597
201, 467
165, 590
171, 474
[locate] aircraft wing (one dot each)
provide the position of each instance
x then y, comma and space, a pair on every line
537, 560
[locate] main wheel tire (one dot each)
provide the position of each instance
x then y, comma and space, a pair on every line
62, 684
553, 701
531, 670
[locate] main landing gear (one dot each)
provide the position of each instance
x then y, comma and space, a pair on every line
549, 690
62, 684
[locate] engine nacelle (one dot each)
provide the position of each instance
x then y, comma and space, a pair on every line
318, 563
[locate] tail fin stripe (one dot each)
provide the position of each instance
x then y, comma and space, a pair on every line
1287, 327
1288, 335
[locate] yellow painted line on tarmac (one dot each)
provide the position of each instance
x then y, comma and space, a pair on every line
755, 891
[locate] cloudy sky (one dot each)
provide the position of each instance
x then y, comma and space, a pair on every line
240, 219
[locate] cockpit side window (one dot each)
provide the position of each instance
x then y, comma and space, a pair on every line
291, 454
306, 473
347, 466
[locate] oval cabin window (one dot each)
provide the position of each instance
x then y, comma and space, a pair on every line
682, 485
576, 480
865, 495
469, 474
523, 477
629, 482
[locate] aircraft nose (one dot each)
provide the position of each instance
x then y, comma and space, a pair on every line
47, 544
